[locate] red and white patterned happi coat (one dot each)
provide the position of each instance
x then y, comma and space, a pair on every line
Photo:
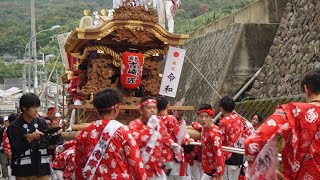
142, 134
212, 156
65, 162
72, 90
6, 142
121, 160
173, 128
196, 153
234, 130
298, 124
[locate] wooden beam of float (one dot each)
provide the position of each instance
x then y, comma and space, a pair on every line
126, 107
70, 135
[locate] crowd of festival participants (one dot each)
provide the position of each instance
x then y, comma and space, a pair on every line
156, 145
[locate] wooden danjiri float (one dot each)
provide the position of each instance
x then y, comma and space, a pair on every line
124, 53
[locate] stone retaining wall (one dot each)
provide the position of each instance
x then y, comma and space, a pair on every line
295, 50
227, 58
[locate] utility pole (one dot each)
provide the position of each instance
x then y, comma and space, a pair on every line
45, 84
42, 73
29, 71
42, 109
40, 80
34, 49
24, 79
56, 96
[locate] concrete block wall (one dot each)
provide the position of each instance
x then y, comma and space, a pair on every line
261, 11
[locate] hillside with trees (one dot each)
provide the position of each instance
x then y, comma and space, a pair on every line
15, 20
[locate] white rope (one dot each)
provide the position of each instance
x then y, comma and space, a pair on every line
236, 96
203, 77
48, 80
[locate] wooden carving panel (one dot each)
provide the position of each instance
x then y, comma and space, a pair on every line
99, 75
150, 78
132, 36
135, 13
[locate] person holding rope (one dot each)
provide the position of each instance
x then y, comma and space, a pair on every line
212, 156
106, 149
151, 135
299, 125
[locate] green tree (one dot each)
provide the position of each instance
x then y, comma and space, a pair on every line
15, 19
10, 70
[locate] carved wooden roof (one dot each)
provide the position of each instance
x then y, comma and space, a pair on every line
142, 30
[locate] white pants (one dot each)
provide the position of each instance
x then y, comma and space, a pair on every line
10, 176
164, 10
57, 174
161, 177
73, 114
231, 172
206, 177
175, 171
155, 3
196, 170
117, 3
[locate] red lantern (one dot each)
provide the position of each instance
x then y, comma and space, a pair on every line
131, 69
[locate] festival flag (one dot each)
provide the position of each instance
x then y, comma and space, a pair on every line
172, 71
266, 163
62, 38
182, 132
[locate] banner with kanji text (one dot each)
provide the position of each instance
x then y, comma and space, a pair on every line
266, 162
172, 71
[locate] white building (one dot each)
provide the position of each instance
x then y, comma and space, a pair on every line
9, 100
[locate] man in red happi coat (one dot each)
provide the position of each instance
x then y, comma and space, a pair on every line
151, 135
175, 163
106, 149
76, 84
211, 140
234, 130
299, 125
63, 164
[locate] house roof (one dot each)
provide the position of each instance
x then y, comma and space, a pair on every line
9, 92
